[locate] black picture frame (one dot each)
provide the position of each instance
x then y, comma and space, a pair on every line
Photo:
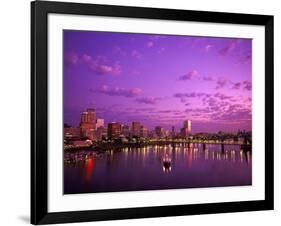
39, 112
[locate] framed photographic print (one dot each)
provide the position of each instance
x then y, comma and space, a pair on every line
144, 112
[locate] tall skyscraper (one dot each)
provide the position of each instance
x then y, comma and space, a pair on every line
136, 129
88, 123
187, 125
186, 130
114, 130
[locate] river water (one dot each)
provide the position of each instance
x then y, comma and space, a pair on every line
134, 169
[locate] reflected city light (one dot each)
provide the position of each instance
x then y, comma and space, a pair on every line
232, 155
155, 161
189, 158
218, 156
206, 154
213, 155
241, 156
167, 169
89, 168
248, 154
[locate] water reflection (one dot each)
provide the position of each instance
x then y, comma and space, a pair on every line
157, 167
89, 167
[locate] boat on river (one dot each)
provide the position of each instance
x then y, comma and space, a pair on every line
167, 161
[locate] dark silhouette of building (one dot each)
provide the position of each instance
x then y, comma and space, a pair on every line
114, 130
144, 132
71, 133
136, 129
173, 132
126, 130
159, 131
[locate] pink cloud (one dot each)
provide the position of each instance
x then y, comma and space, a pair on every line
236, 85
221, 83
148, 100
229, 48
191, 95
198, 110
220, 107
209, 78
190, 75
207, 48
116, 91
222, 96
71, 58
247, 85
183, 100
149, 44
101, 65
102, 69
246, 59
234, 115
86, 58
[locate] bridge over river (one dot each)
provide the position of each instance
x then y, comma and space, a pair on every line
109, 145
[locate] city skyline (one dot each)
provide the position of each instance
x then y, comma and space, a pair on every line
158, 80
95, 129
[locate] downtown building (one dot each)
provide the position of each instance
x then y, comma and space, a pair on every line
99, 123
126, 131
88, 124
186, 130
160, 132
136, 129
71, 133
173, 132
144, 132
114, 130
101, 130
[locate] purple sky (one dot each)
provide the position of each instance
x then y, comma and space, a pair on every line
159, 80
